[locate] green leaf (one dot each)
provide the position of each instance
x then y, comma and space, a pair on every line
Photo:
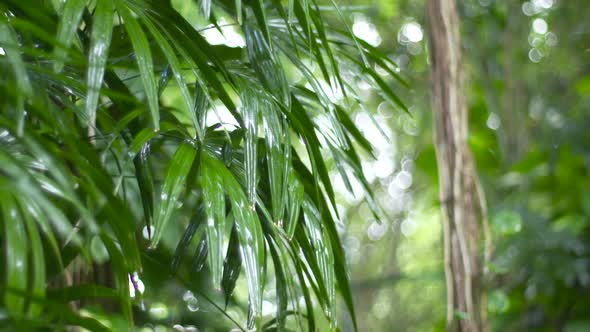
214, 201
16, 264
122, 276
324, 257
239, 11
267, 67
100, 40
186, 239
9, 43
277, 154
387, 91
249, 233
201, 254
281, 267
205, 6
303, 126
143, 55
352, 129
194, 48
174, 64
38, 283
81, 292
145, 183
174, 182
260, 14
232, 265
251, 103
25, 185
66, 31
295, 195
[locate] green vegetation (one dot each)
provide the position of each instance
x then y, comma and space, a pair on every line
270, 165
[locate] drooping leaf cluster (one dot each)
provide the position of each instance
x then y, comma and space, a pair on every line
91, 150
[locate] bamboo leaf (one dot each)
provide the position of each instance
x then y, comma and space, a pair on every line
186, 239
174, 64
232, 265
16, 254
276, 154
251, 104
176, 175
295, 195
38, 283
11, 48
201, 254
214, 201
10, 44
122, 276
145, 182
324, 258
143, 55
100, 40
352, 129
66, 31
250, 236
205, 6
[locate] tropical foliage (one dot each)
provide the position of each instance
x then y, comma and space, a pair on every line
131, 146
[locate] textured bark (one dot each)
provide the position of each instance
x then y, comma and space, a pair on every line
462, 202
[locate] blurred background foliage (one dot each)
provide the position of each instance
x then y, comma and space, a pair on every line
528, 74
528, 89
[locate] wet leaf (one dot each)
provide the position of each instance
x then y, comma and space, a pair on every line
100, 40
66, 31
214, 202
16, 254
232, 265
177, 172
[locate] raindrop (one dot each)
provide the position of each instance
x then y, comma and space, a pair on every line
540, 26
159, 310
366, 31
535, 55
187, 295
493, 121
376, 231
529, 9
192, 302
534, 40
408, 227
408, 165
403, 179
69, 91
551, 39
545, 4
411, 32
193, 305
147, 232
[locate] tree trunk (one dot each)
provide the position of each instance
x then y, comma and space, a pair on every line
462, 202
